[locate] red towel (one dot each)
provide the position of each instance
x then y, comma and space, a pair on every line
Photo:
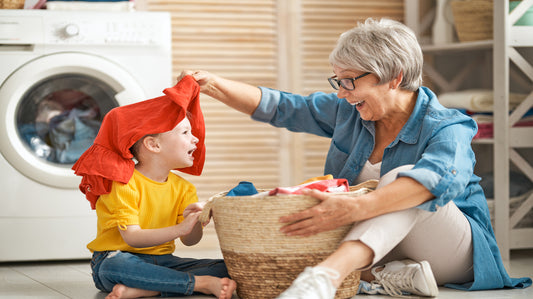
109, 158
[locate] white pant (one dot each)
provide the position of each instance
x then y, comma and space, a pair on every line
443, 238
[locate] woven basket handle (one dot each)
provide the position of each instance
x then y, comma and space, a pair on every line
206, 213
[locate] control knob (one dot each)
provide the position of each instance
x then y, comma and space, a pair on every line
71, 30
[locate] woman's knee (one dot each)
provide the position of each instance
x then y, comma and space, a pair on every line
390, 176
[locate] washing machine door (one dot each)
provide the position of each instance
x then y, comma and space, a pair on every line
51, 109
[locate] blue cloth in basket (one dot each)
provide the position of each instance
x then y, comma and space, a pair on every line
243, 189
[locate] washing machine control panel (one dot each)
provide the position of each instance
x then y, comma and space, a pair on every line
58, 28
128, 30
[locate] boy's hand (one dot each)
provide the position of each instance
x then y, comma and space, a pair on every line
188, 224
194, 207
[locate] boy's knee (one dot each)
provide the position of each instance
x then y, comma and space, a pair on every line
115, 259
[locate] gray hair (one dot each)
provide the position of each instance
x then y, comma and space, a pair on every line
384, 48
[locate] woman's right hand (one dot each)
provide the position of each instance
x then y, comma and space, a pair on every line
333, 211
202, 77
238, 95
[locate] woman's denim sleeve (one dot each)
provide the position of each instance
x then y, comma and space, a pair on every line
447, 164
315, 114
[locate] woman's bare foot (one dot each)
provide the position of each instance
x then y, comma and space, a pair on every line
222, 288
122, 291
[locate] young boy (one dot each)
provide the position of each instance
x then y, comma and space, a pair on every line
142, 208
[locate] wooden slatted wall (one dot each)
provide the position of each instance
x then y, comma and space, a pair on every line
276, 43
238, 40
322, 23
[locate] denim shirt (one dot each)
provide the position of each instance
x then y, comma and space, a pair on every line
435, 139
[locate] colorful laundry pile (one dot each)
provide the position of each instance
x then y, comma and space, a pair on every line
63, 126
323, 183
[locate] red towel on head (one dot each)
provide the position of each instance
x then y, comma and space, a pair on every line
109, 158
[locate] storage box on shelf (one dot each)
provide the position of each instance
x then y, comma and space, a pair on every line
472, 19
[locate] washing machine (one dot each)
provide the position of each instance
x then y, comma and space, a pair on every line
60, 73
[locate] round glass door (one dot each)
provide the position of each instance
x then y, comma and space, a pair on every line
59, 117
51, 109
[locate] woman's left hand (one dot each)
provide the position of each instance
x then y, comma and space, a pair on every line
334, 211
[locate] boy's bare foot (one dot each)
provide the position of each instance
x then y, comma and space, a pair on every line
122, 291
228, 287
222, 288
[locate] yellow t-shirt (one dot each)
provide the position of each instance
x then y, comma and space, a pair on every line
142, 202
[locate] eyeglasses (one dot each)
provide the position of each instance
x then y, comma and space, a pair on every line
346, 83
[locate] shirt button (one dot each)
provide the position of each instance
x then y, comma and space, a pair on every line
454, 172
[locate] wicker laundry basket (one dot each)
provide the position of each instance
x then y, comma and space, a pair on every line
11, 4
473, 19
263, 261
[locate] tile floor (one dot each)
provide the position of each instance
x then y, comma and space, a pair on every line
72, 279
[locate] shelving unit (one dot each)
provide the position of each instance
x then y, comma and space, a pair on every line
510, 44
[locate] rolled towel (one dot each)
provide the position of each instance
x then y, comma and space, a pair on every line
477, 100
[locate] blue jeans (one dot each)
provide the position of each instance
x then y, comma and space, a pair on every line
168, 274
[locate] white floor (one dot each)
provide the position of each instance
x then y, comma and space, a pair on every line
72, 279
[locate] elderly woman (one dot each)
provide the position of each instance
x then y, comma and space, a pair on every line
429, 224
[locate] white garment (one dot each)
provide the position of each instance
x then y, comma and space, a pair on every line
369, 172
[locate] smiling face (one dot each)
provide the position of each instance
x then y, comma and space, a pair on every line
178, 145
373, 101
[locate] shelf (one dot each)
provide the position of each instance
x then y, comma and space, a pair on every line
458, 47
521, 36
483, 141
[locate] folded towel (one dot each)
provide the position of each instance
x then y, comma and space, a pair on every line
476, 100
485, 125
